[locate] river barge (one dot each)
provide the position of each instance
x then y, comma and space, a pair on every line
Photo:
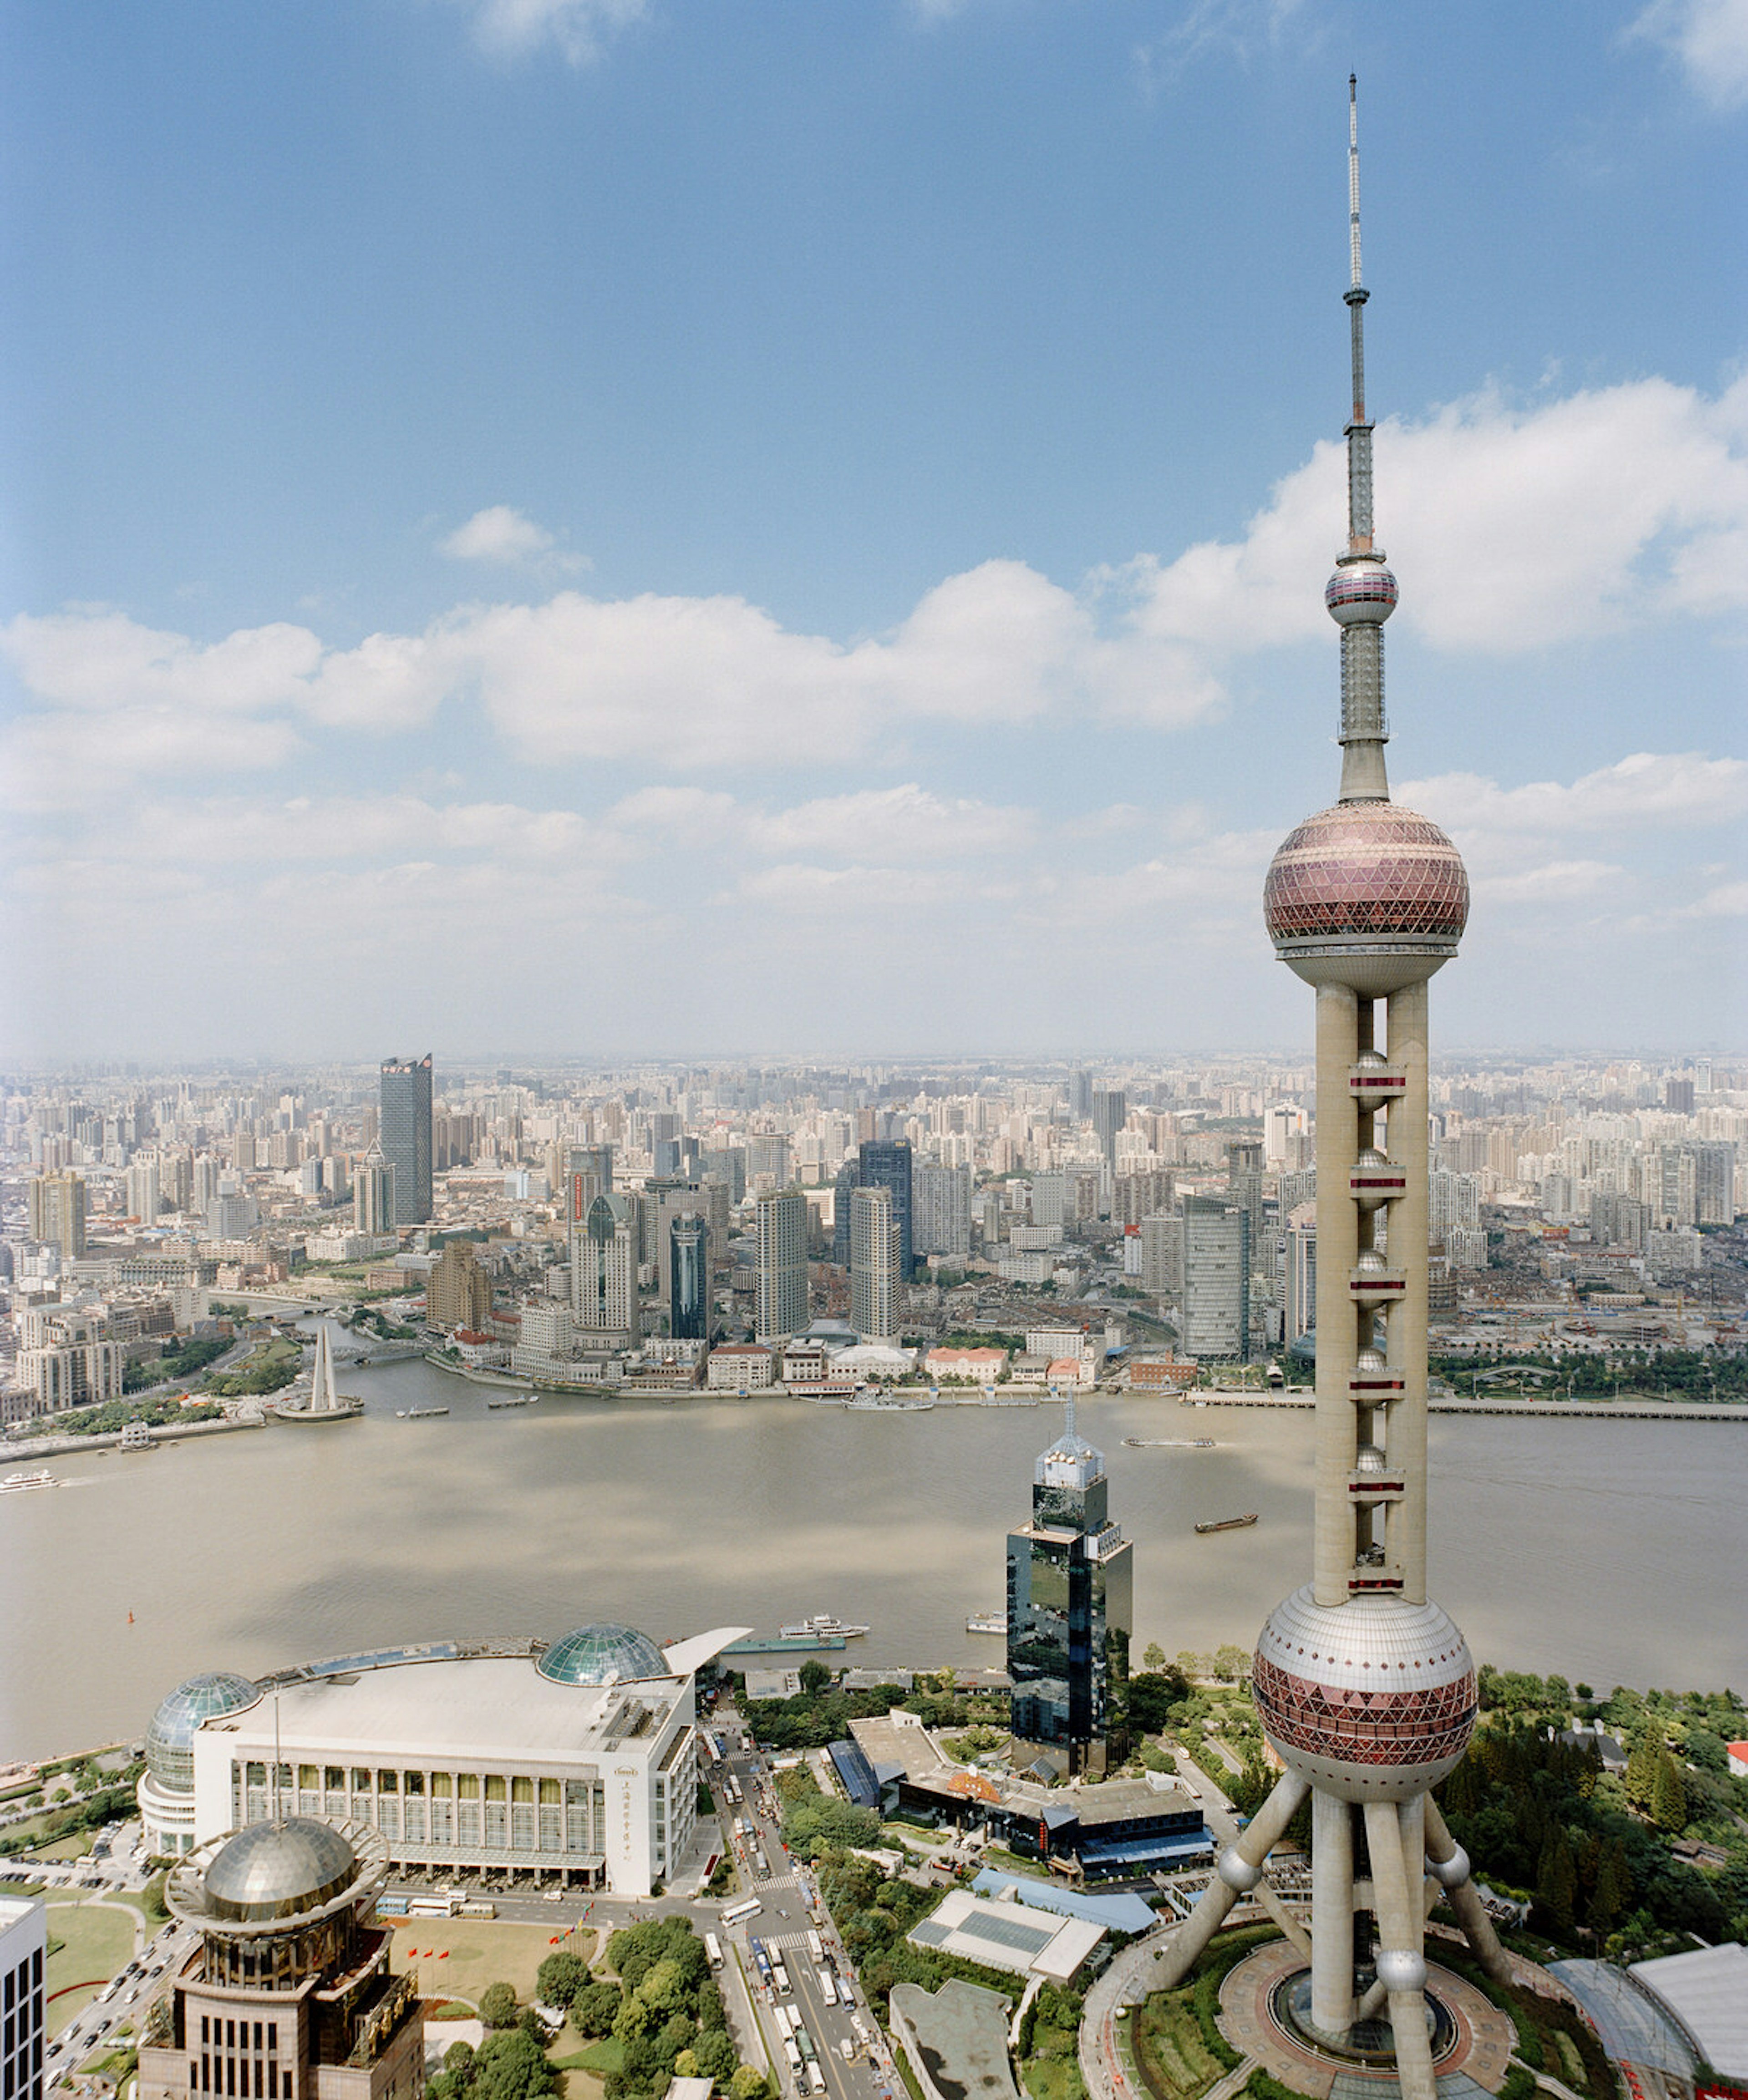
1229, 1523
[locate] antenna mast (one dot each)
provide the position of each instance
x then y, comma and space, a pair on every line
1359, 430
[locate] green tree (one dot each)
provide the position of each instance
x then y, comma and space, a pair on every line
815, 1678
715, 2054
594, 2010
1153, 1656
1669, 1795
512, 2065
1556, 1881
686, 2064
1613, 1886
748, 2084
497, 2005
1231, 1663
559, 1978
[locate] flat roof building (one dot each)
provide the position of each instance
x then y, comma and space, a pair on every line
576, 1762
1007, 1935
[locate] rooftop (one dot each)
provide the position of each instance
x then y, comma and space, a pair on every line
1007, 1935
957, 2040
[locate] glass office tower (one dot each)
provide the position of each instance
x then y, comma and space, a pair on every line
1070, 1610
689, 1277
885, 1163
404, 1134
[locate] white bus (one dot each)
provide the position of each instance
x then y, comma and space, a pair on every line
828, 1984
816, 1948
736, 1912
433, 1906
713, 1950
846, 1996
780, 1976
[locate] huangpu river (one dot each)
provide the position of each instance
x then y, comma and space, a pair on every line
1613, 1552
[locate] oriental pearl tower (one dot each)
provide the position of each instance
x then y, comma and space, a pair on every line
1365, 1687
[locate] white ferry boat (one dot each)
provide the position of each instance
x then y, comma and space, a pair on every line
19, 1484
987, 1622
418, 1413
824, 1625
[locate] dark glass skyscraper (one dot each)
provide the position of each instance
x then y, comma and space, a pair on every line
1070, 1608
404, 1133
884, 1162
688, 1273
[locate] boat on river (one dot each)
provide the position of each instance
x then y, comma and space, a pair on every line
1229, 1523
514, 1399
1169, 1443
821, 1624
987, 1622
21, 1483
418, 1413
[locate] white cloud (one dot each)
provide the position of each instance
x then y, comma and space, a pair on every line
577, 28
906, 823
1665, 789
498, 534
1709, 37
104, 660
1556, 882
1510, 528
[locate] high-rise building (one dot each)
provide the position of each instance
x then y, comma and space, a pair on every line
290, 1981
404, 1132
374, 1194
884, 1162
23, 1958
848, 1179
1216, 1323
1678, 1095
876, 1265
1365, 1687
1110, 1112
458, 1291
144, 1193
943, 1198
781, 1296
1163, 1255
689, 1276
604, 1271
1299, 1295
1071, 1609
56, 1213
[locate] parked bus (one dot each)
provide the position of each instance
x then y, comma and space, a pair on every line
828, 1984
846, 1995
815, 1949
736, 1912
433, 1906
794, 2056
713, 1950
780, 1976
804, 2041
477, 1907
391, 1906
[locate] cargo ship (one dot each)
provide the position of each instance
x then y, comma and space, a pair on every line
418, 1413
1229, 1523
1169, 1443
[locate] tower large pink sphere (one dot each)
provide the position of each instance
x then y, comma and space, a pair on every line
1367, 893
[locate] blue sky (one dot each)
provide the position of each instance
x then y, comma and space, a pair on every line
642, 525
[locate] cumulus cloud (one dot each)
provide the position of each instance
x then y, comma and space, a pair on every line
1665, 789
1710, 39
576, 29
498, 534
908, 824
1511, 527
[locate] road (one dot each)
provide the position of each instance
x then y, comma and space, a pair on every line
790, 1910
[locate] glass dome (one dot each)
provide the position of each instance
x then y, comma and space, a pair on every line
169, 1740
603, 1655
280, 1869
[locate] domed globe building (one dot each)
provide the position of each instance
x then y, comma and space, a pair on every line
571, 1763
1364, 1685
288, 1994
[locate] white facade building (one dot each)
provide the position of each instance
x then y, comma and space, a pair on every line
576, 1762
24, 1957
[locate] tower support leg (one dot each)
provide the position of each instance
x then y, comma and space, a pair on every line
1402, 1964
1450, 1869
1239, 1871
1332, 1915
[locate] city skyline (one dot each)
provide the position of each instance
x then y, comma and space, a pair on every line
839, 495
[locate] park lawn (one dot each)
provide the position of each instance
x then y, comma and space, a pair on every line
481, 1951
1053, 2078
1174, 2060
97, 1941
77, 1847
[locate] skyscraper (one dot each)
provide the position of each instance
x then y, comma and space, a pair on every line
876, 1257
604, 1271
943, 1201
1070, 1608
404, 1133
849, 1179
56, 1213
374, 1194
1110, 1112
1217, 1281
884, 1162
780, 1294
689, 1276
1364, 1686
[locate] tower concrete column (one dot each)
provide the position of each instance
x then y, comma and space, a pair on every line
1338, 1019
1401, 1965
1410, 1219
1331, 1914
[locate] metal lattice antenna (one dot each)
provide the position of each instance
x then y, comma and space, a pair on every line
1359, 430
1069, 1426
278, 1815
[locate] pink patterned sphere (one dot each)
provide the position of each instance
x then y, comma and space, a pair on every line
1374, 1700
1366, 892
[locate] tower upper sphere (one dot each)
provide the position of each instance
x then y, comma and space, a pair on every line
1365, 893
